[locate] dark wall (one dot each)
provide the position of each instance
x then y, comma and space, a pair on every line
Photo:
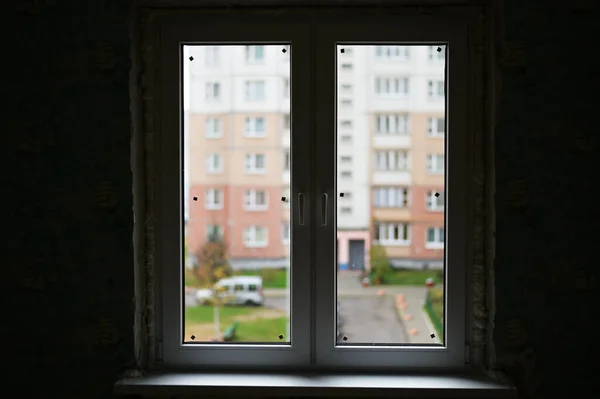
68, 220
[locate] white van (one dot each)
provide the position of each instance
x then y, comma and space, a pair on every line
239, 290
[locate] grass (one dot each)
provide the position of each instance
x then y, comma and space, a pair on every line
436, 298
411, 277
204, 314
272, 278
264, 330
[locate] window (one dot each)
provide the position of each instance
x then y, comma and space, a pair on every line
211, 55
214, 231
391, 124
346, 124
256, 237
435, 163
434, 201
434, 238
255, 54
255, 200
390, 197
391, 86
255, 163
286, 88
347, 102
286, 196
391, 160
255, 90
391, 234
286, 160
213, 199
213, 128
255, 127
347, 67
346, 138
316, 213
285, 232
213, 91
436, 127
436, 53
286, 121
392, 53
347, 88
214, 164
435, 89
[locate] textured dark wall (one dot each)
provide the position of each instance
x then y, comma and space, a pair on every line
68, 270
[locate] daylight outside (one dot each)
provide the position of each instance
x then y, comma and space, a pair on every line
390, 180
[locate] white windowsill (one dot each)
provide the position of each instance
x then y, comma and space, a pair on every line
316, 385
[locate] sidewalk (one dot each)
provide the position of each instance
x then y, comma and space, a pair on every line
419, 328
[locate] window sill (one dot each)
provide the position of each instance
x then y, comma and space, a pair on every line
315, 385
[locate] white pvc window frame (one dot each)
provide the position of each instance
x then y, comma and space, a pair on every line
417, 30
177, 31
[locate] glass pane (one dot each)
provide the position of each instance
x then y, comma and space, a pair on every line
237, 256
391, 247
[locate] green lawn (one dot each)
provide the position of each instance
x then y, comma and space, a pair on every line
411, 277
272, 278
265, 330
204, 314
436, 311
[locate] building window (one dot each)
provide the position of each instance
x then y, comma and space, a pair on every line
255, 127
434, 200
434, 55
346, 138
213, 128
214, 164
286, 88
346, 175
391, 86
256, 200
285, 232
346, 102
255, 90
345, 159
435, 89
347, 88
213, 199
346, 124
255, 163
255, 54
211, 55
214, 231
345, 210
256, 237
213, 91
390, 197
435, 163
434, 238
392, 53
286, 160
391, 124
286, 195
286, 121
347, 66
391, 233
436, 127
391, 160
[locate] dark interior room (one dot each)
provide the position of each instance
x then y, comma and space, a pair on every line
89, 199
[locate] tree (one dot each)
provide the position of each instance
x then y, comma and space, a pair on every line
213, 265
380, 263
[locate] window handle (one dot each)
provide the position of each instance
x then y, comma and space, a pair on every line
324, 199
301, 209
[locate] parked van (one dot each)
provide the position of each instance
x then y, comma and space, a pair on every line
236, 290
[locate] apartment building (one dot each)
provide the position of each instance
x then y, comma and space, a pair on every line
390, 153
406, 119
238, 152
